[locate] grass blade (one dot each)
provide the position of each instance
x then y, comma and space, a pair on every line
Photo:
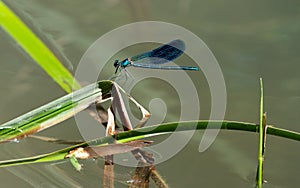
259, 177
53, 112
36, 49
155, 130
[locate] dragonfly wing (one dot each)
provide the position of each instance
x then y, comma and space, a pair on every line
163, 54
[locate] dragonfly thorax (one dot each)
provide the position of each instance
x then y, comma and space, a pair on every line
126, 62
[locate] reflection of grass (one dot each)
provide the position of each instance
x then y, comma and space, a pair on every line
48, 61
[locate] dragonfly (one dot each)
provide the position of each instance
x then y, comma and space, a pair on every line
154, 58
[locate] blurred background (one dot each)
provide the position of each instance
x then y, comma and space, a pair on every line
250, 39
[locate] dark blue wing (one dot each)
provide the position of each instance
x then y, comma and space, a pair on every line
163, 54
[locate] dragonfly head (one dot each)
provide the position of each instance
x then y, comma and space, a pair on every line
117, 65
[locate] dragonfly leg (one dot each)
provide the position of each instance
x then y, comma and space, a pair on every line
127, 74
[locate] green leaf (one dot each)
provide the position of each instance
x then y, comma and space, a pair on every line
151, 131
36, 49
54, 112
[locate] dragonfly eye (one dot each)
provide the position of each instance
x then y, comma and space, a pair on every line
116, 63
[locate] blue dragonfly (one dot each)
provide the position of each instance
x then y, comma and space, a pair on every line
153, 59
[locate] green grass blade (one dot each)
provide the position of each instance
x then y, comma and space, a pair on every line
36, 49
155, 130
259, 178
53, 112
